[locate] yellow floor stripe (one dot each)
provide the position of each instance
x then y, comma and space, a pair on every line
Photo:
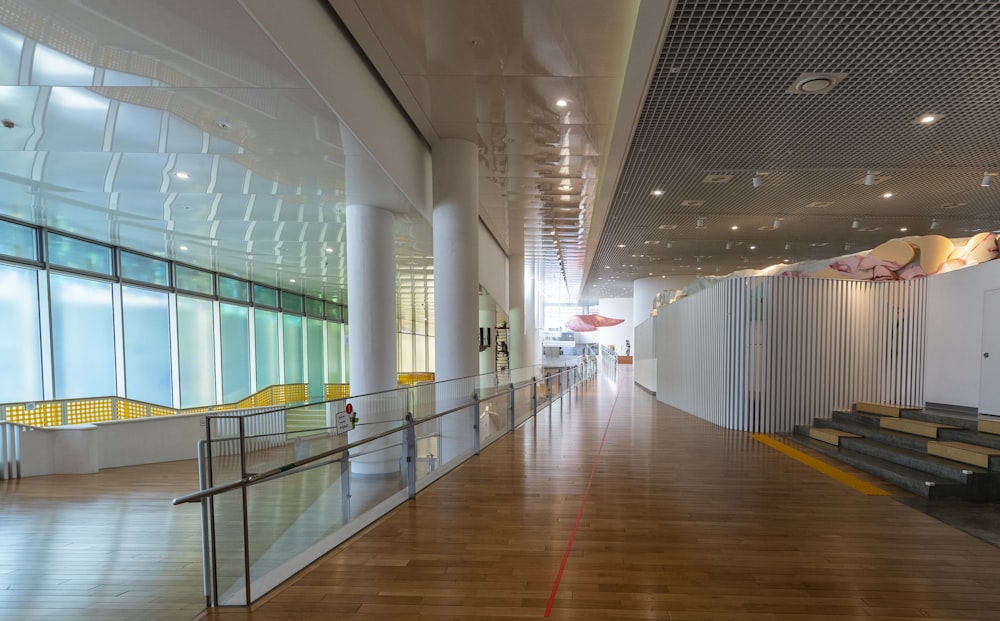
839, 475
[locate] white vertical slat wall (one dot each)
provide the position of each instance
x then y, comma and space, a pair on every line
764, 354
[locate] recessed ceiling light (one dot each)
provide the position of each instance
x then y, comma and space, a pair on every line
657, 192
562, 103
183, 247
565, 186
651, 241
180, 174
607, 267
698, 268
735, 227
291, 280
753, 247
887, 195
903, 229
927, 119
329, 249
621, 245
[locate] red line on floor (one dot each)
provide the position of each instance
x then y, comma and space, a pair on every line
579, 514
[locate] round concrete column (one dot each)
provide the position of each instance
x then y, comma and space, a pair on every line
456, 283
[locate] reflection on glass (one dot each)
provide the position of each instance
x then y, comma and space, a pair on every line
83, 340
314, 307
18, 240
193, 280
234, 289
20, 355
337, 365
78, 254
265, 296
145, 269
51, 68
314, 354
291, 302
146, 318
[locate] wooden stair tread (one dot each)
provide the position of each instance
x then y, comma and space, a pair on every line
916, 427
964, 452
882, 409
989, 426
830, 435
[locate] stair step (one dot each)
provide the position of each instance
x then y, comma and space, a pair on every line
989, 426
830, 435
916, 427
912, 480
917, 460
850, 422
982, 456
882, 409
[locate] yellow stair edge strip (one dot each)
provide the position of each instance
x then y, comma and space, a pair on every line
836, 474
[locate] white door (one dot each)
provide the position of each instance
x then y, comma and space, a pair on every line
989, 373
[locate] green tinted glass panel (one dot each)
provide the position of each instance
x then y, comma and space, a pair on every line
265, 296
80, 255
233, 289
333, 311
265, 325
314, 307
193, 280
145, 269
314, 355
18, 240
291, 345
235, 322
291, 302
336, 362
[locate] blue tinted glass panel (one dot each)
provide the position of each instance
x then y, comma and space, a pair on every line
193, 280
314, 354
146, 320
196, 340
80, 255
234, 289
314, 307
235, 352
265, 324
145, 269
20, 348
18, 240
291, 302
83, 338
265, 296
292, 348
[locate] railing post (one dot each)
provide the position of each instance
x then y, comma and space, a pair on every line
513, 410
246, 513
475, 423
345, 486
548, 391
562, 394
411, 457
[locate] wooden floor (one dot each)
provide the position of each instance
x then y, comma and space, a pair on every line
617, 508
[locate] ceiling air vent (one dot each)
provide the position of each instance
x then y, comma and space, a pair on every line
815, 83
717, 179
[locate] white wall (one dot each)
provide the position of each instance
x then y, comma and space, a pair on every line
644, 292
954, 333
644, 351
617, 308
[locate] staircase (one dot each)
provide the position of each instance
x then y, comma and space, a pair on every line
935, 453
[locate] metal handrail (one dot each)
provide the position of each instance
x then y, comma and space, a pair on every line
261, 477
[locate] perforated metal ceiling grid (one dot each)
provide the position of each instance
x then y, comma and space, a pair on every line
719, 109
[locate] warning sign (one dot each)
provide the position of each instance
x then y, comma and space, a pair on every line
344, 423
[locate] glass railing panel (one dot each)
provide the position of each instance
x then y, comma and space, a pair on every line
228, 552
522, 404
494, 417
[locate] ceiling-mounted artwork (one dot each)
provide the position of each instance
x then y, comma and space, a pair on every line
589, 323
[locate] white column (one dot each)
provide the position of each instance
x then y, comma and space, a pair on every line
515, 292
371, 299
456, 283
532, 341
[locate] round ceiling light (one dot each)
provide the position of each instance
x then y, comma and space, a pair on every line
813, 85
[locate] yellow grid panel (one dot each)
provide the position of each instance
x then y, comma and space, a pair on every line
337, 391
296, 392
88, 411
156, 410
44, 414
131, 409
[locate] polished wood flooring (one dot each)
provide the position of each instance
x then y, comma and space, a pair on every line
617, 507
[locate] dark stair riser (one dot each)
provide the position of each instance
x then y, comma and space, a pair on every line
970, 437
943, 419
900, 476
934, 466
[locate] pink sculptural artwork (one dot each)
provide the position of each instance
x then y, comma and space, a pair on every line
589, 323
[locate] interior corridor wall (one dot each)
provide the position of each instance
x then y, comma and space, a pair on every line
766, 353
644, 355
